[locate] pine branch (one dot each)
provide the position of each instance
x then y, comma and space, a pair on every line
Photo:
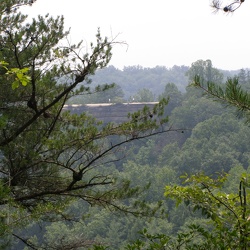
217, 5
230, 94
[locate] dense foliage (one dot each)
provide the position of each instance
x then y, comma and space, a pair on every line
213, 140
70, 182
51, 159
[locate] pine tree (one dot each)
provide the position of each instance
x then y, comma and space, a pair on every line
50, 157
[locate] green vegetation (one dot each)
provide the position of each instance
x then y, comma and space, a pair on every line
69, 181
50, 159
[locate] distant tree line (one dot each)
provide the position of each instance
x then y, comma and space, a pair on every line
135, 83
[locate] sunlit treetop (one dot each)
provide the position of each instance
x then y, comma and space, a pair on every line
231, 7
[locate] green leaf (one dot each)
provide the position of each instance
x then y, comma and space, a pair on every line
15, 85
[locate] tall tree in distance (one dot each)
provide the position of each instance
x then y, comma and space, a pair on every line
205, 70
144, 95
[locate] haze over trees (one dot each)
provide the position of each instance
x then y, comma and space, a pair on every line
214, 144
132, 80
71, 182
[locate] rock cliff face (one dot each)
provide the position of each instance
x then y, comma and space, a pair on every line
109, 112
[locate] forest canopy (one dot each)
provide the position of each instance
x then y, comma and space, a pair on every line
174, 175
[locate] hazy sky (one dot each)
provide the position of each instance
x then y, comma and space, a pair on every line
159, 32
